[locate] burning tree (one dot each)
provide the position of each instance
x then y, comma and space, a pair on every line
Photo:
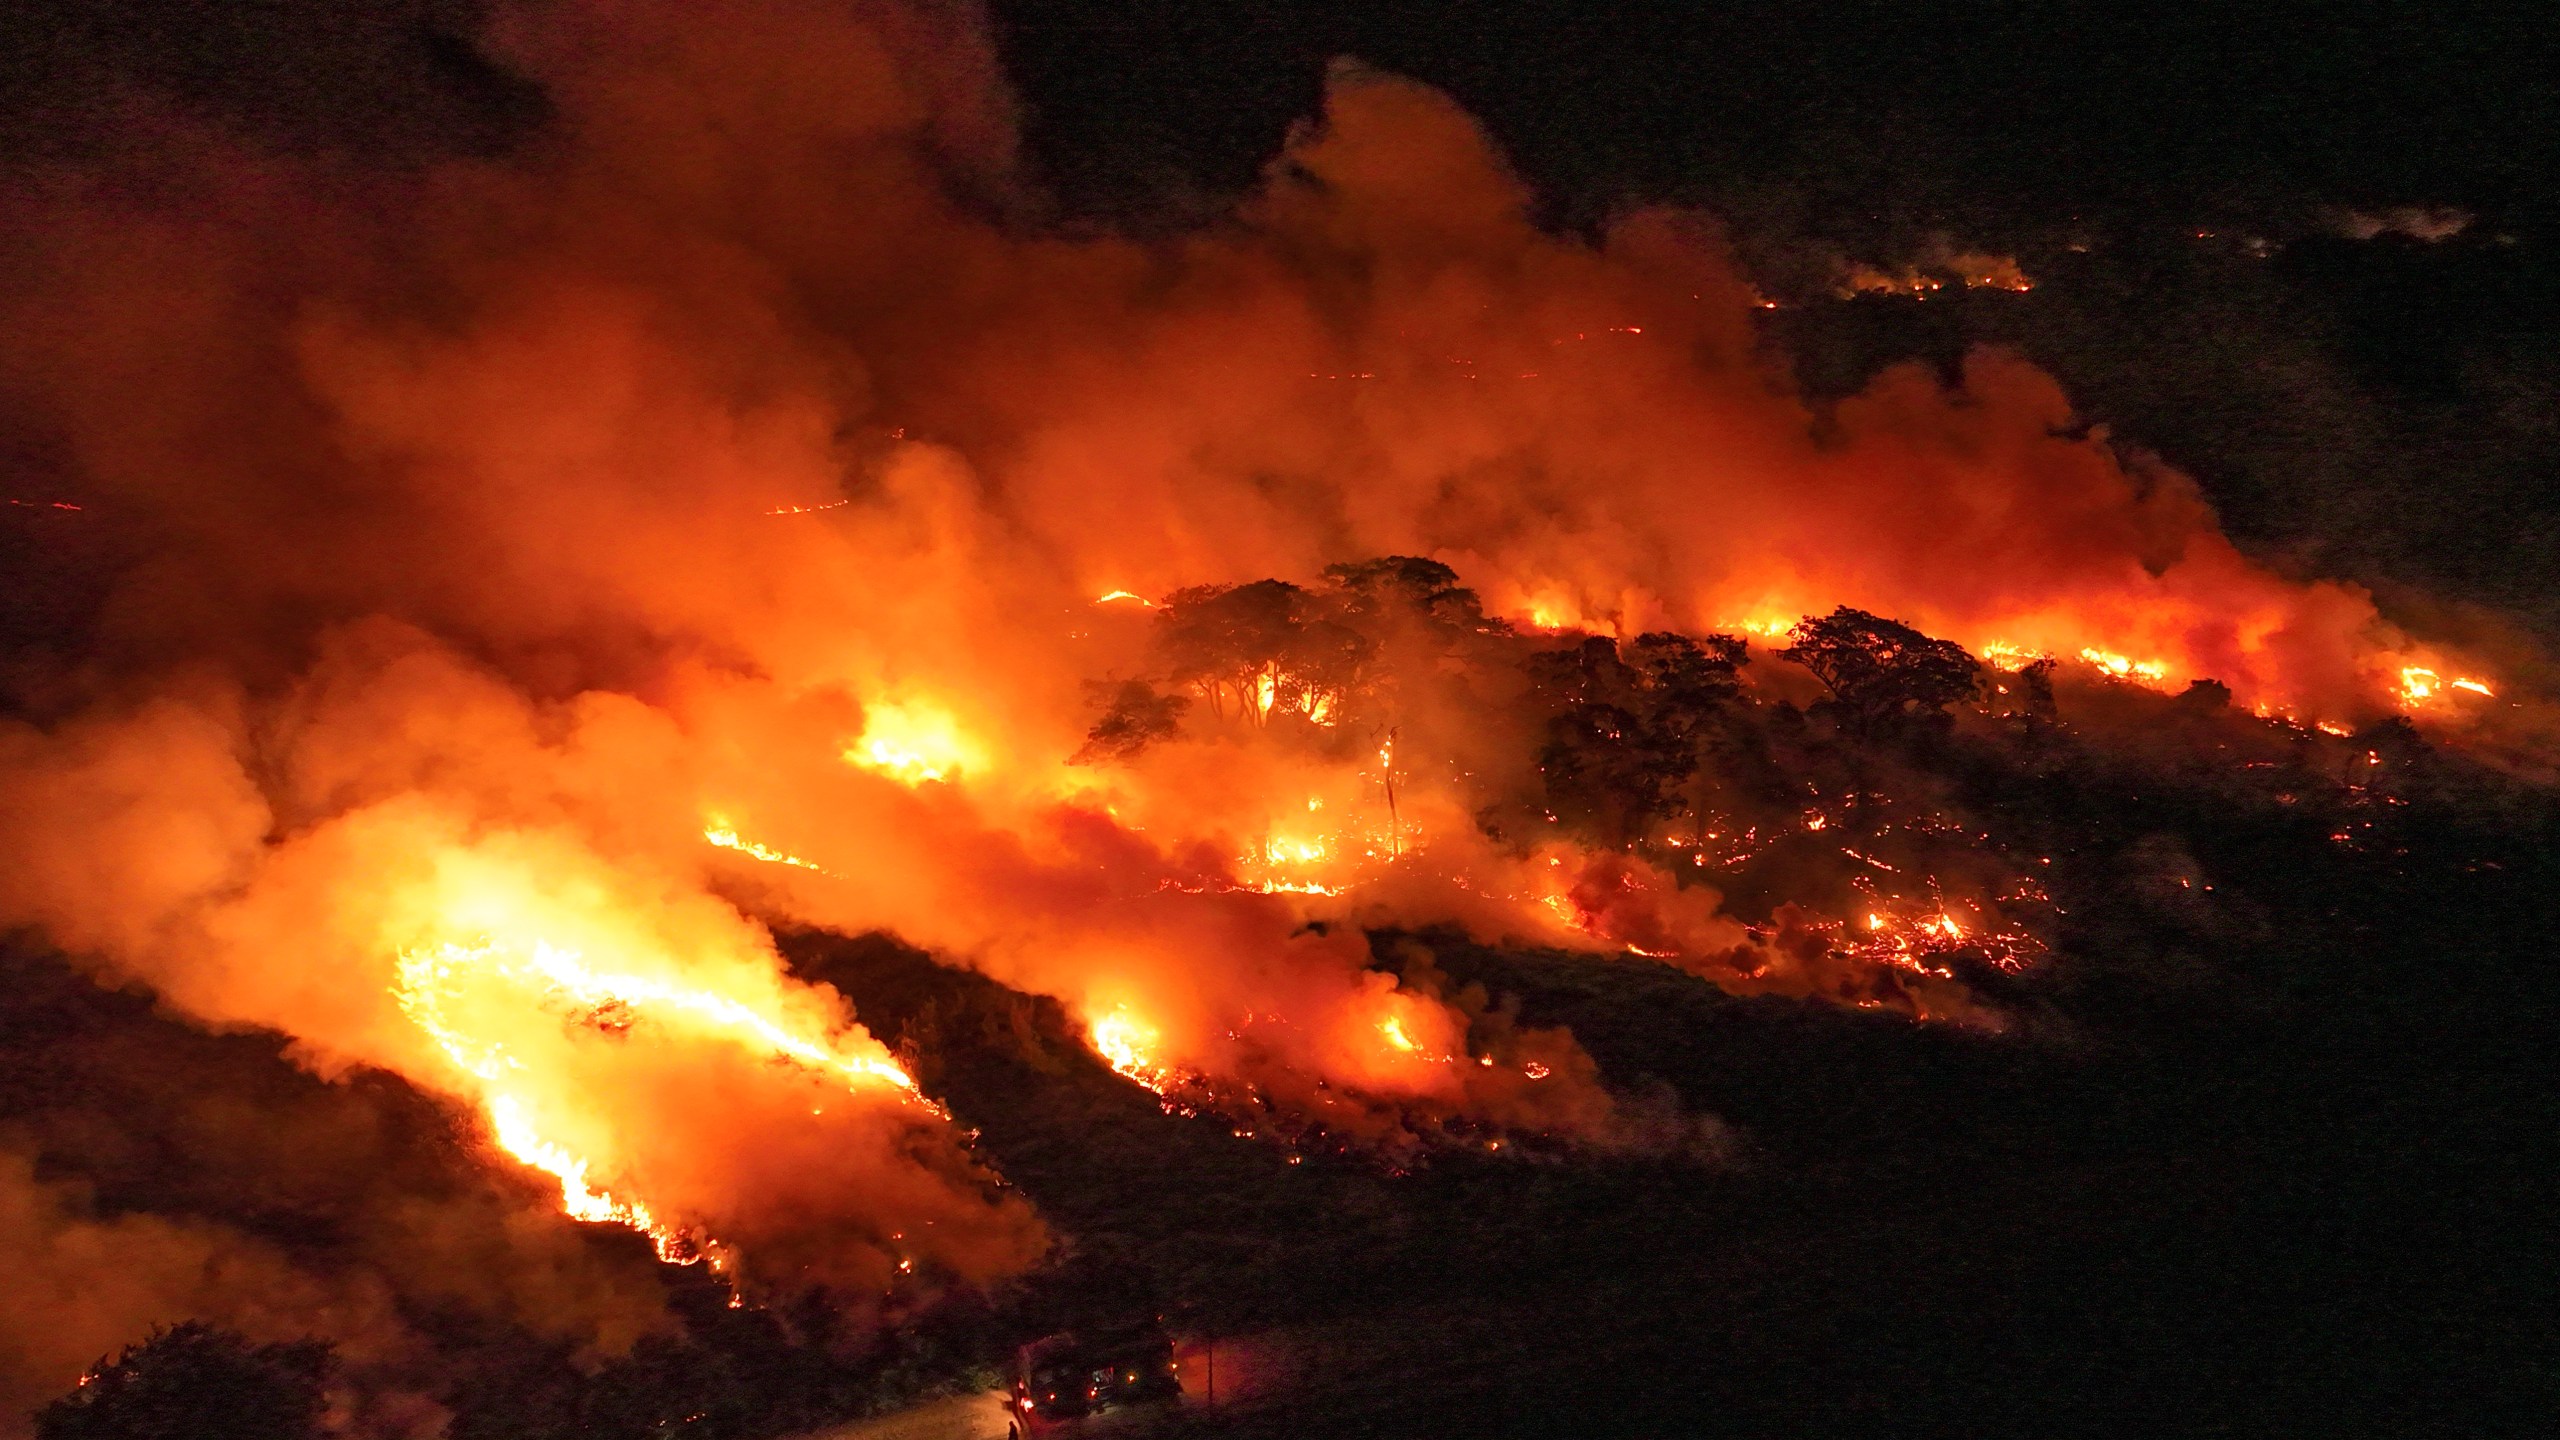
1264, 648
1880, 671
1269, 649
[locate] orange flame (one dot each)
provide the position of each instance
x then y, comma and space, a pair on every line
453, 991
719, 833
914, 744
2153, 673
1129, 1045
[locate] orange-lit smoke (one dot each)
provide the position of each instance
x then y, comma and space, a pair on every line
556, 560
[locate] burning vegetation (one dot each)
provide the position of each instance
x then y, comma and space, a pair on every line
554, 574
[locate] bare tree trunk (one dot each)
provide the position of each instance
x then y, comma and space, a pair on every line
1395, 821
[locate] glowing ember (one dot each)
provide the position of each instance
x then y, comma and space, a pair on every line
1109, 596
1926, 943
1867, 280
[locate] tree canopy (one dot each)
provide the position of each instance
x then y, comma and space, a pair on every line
1625, 730
195, 1382
1881, 671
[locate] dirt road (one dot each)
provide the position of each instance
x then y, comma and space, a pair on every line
963, 1417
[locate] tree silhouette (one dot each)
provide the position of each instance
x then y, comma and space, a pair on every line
1880, 671
1259, 650
1687, 681
1134, 716
1394, 585
194, 1382
1626, 731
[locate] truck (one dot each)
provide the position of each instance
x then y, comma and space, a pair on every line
1076, 1384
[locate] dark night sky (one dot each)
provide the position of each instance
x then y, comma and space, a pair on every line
2369, 408
1967, 110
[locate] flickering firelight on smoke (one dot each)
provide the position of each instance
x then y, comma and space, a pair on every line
571, 567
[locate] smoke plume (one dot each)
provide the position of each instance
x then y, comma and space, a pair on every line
546, 569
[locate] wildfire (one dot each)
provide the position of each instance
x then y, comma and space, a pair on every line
1924, 937
719, 833
1277, 856
1274, 691
581, 1200
1981, 271
913, 744
2124, 667
1129, 1045
2001, 655
1868, 280
1305, 852
478, 678
2420, 685
1939, 261
456, 993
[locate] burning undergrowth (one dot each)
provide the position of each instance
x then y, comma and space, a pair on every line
545, 577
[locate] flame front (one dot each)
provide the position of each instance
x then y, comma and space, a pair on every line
1129, 1045
467, 997
914, 744
720, 834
